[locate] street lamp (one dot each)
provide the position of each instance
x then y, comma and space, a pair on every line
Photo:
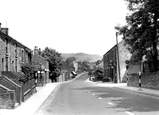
118, 62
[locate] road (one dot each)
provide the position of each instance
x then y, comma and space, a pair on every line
80, 98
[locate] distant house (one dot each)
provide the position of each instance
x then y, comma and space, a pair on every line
43, 65
75, 65
80, 68
110, 63
66, 70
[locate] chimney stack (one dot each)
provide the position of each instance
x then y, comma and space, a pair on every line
0, 26
39, 51
36, 50
4, 30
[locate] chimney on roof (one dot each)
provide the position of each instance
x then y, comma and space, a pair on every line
39, 51
4, 30
36, 50
0, 26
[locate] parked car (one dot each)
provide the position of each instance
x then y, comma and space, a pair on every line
74, 74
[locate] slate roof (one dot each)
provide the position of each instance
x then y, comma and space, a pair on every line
4, 36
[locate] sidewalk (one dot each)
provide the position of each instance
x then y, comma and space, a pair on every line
30, 106
124, 86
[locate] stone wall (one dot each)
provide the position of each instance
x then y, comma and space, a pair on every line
7, 100
148, 80
12, 86
124, 55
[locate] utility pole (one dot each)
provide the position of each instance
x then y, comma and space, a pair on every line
118, 62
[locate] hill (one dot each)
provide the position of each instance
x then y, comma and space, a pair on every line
82, 56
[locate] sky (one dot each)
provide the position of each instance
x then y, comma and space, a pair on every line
68, 26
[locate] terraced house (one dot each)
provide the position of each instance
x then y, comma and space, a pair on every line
12, 55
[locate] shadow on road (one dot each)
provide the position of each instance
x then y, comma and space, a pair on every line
126, 100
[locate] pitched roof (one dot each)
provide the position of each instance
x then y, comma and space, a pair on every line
5, 36
38, 60
66, 66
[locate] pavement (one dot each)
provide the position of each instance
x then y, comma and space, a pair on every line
31, 105
123, 86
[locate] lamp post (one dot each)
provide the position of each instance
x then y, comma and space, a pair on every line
118, 62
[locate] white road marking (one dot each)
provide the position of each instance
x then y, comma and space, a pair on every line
85, 90
93, 94
110, 103
99, 98
129, 113
78, 85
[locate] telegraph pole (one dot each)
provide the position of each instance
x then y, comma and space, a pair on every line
118, 62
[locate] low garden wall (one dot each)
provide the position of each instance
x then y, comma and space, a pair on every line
148, 80
7, 100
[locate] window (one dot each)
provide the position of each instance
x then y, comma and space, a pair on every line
22, 59
16, 65
2, 64
6, 45
15, 50
13, 66
6, 63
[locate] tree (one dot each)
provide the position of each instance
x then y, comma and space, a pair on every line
28, 70
54, 58
70, 60
141, 32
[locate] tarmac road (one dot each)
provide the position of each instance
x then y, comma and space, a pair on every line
80, 98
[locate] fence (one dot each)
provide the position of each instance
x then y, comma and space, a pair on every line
12, 86
28, 89
21, 92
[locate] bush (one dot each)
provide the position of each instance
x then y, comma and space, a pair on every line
28, 70
98, 74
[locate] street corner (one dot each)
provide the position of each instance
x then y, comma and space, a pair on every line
91, 82
106, 84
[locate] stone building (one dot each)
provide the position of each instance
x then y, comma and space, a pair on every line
12, 55
66, 70
12, 52
114, 63
43, 65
